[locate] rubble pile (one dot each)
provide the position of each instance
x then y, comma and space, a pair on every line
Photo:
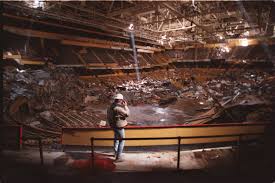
52, 89
147, 90
52, 98
221, 87
246, 95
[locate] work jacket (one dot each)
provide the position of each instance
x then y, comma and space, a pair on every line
117, 114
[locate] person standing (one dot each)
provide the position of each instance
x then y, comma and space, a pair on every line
116, 117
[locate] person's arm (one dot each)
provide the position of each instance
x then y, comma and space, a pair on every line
122, 110
109, 117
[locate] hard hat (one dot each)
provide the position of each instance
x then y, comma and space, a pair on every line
118, 96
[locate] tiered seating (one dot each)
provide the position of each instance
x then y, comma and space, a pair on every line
102, 55
149, 58
163, 58
128, 56
238, 55
31, 49
258, 53
67, 56
141, 60
188, 54
89, 57
118, 58
202, 53
171, 54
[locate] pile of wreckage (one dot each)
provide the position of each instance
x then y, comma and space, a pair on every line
222, 88
46, 100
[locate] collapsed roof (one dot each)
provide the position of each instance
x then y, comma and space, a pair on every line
166, 23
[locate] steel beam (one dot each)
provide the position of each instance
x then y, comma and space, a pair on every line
177, 13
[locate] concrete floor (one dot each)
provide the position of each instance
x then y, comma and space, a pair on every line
136, 161
201, 165
148, 115
189, 160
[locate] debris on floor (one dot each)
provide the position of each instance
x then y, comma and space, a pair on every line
48, 99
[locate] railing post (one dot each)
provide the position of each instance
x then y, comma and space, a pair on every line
92, 152
41, 151
239, 152
178, 159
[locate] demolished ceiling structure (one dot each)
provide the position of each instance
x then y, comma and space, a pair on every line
157, 23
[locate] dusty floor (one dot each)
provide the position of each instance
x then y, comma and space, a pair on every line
150, 115
207, 165
138, 161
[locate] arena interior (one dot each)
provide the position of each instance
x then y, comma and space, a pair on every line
198, 78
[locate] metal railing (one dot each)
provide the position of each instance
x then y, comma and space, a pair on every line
21, 139
179, 138
40, 146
